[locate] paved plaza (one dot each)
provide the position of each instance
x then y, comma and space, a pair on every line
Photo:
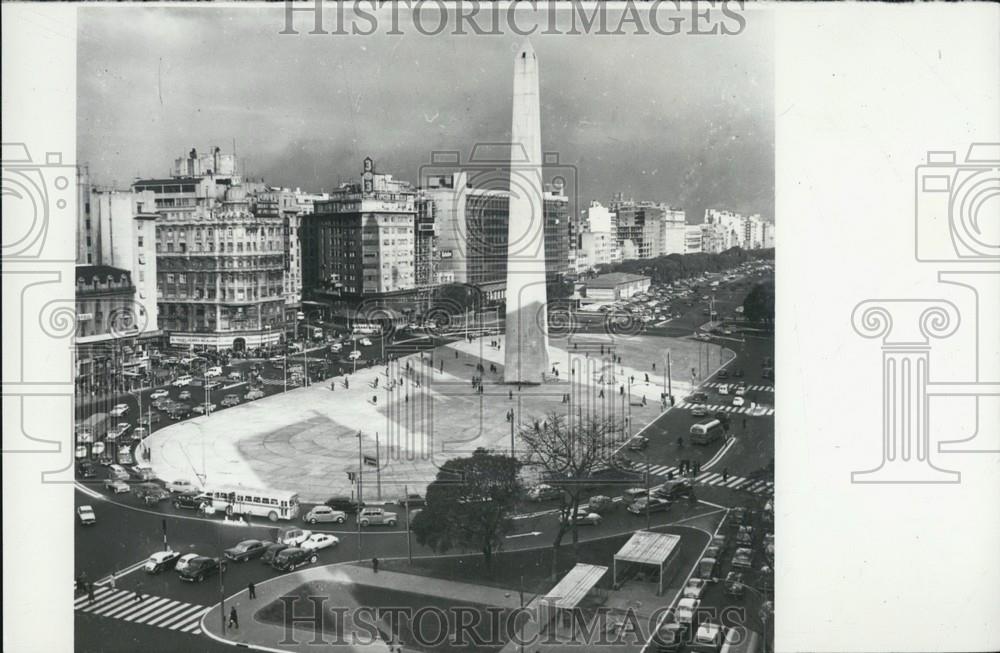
418, 412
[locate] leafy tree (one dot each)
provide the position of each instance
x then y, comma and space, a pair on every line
570, 452
759, 304
470, 503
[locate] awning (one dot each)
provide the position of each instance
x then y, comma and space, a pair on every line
575, 585
648, 548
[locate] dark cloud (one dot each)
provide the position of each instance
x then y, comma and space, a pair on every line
682, 119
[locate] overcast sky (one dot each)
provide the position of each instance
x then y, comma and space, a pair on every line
686, 120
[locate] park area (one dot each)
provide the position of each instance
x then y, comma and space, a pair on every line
421, 410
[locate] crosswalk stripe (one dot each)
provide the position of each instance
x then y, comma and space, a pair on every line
180, 618
183, 623
107, 603
195, 624
126, 608
166, 614
735, 481
164, 608
703, 475
158, 604
99, 594
711, 480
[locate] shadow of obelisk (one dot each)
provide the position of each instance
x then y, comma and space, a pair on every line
526, 358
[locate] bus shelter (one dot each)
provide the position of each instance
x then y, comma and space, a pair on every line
572, 589
651, 549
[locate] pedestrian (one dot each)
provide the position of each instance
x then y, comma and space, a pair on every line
510, 395
112, 580
138, 594
90, 592
725, 474
697, 468
654, 369
647, 378
234, 621
744, 423
375, 565
252, 589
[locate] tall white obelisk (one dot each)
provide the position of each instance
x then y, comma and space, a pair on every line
527, 353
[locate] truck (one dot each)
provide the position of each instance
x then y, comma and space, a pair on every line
706, 432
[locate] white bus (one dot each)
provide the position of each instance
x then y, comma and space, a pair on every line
706, 432
239, 501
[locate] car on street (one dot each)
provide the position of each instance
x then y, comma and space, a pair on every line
86, 515
638, 443
325, 514
318, 541
230, 400
87, 470
161, 561
376, 517
201, 567
180, 485
119, 410
723, 374
204, 409
179, 411
365, 342
294, 536
708, 637
413, 501
583, 517
543, 492
253, 395
695, 588
699, 411
336, 347
235, 376
739, 401
743, 558
213, 372
117, 487
183, 380
343, 504
723, 389
600, 503
707, 567
740, 389
125, 457
184, 395
354, 355
245, 550
150, 493
271, 550
674, 489
192, 500
698, 398
655, 504
734, 585
292, 558
119, 431
687, 610
159, 394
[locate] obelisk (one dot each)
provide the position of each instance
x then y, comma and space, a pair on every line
526, 359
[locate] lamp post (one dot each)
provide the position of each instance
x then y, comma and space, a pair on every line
360, 475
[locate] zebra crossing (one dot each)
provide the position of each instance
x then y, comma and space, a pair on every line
756, 388
151, 610
280, 382
757, 411
715, 479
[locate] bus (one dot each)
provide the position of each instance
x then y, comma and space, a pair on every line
706, 432
239, 501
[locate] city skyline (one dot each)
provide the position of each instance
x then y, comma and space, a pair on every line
674, 138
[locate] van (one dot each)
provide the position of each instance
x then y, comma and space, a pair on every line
706, 432
183, 380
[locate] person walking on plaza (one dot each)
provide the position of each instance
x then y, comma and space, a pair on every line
90, 592
252, 590
112, 580
375, 565
138, 593
725, 474
234, 620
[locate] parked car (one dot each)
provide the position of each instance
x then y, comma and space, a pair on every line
734, 585
204, 409
325, 514
376, 517
583, 517
687, 610
655, 505
213, 372
600, 503
182, 381
192, 500
116, 487
180, 485
319, 541
723, 374
271, 550
633, 494
230, 400
294, 536
235, 376
200, 568
87, 470
245, 550
354, 355
119, 410
292, 558
743, 558
695, 588
119, 431
543, 492
343, 504
670, 638
253, 395
86, 515
184, 395
365, 342
159, 394
336, 347
161, 561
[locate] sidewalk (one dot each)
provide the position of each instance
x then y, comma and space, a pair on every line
269, 636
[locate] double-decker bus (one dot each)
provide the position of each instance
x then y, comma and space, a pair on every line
239, 501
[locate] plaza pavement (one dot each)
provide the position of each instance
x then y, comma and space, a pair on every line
416, 417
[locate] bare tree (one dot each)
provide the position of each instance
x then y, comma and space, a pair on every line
570, 451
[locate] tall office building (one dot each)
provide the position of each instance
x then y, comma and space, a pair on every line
220, 265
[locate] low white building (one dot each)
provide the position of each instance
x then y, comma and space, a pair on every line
615, 286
